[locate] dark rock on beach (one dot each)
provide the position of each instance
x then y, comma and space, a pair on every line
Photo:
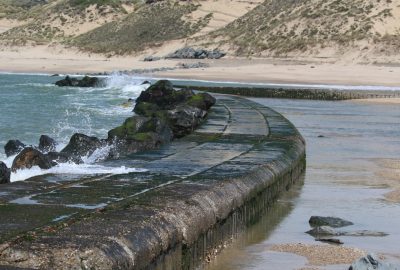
30, 157
334, 222
75, 82
151, 58
372, 262
47, 144
81, 145
191, 53
13, 147
5, 173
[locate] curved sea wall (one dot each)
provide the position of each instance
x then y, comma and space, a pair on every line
294, 93
195, 194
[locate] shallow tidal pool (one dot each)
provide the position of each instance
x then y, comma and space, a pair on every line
353, 172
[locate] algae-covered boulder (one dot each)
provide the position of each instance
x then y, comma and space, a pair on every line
202, 101
146, 108
81, 145
140, 128
5, 173
13, 147
30, 157
163, 94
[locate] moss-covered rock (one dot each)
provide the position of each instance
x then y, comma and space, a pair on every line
202, 101
163, 95
136, 126
146, 109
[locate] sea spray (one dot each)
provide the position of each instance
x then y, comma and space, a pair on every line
32, 106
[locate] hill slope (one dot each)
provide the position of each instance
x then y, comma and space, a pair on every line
356, 29
325, 27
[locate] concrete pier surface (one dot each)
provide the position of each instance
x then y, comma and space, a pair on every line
191, 196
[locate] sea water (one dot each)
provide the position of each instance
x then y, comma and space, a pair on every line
353, 160
32, 105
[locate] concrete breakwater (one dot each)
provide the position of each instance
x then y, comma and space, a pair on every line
294, 93
197, 193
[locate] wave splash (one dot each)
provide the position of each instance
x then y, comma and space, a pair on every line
86, 111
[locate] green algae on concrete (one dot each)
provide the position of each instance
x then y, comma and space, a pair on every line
197, 192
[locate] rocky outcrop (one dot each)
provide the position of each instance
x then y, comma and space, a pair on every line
13, 147
47, 144
372, 262
191, 53
75, 82
5, 173
162, 113
30, 157
334, 222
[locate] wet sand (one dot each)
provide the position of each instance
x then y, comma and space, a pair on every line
321, 255
378, 101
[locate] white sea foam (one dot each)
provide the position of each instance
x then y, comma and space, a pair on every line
71, 169
128, 86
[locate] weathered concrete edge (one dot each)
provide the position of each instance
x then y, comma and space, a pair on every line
174, 236
301, 93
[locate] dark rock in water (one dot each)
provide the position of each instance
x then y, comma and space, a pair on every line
323, 231
13, 147
55, 75
30, 157
334, 222
47, 144
145, 82
330, 240
321, 136
5, 173
163, 94
202, 101
81, 145
184, 119
75, 82
63, 158
372, 262
191, 53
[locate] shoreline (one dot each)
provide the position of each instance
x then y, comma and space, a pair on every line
61, 60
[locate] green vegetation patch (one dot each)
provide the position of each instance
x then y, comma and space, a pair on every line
150, 25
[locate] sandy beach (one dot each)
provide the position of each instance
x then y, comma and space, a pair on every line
56, 59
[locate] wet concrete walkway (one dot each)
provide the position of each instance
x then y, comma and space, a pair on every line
44, 216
